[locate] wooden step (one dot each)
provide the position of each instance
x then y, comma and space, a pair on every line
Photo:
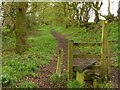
83, 67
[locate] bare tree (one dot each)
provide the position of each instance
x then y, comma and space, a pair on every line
96, 7
119, 9
109, 8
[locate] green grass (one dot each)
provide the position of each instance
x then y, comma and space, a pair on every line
105, 85
15, 67
75, 84
28, 84
56, 80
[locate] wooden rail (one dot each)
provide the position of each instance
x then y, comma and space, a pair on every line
91, 56
87, 44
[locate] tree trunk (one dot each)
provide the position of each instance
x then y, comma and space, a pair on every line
96, 17
96, 12
64, 7
118, 10
109, 8
20, 28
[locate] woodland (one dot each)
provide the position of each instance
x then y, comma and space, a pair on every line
43, 45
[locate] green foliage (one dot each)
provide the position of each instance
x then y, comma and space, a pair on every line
6, 80
55, 79
5, 29
75, 84
105, 85
113, 31
8, 39
14, 69
28, 84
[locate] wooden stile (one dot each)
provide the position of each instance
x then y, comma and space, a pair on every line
104, 58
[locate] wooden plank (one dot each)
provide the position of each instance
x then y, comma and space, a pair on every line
86, 56
59, 63
89, 73
83, 67
70, 60
87, 77
104, 49
87, 44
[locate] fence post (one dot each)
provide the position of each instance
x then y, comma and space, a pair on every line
108, 61
80, 77
59, 63
70, 59
104, 49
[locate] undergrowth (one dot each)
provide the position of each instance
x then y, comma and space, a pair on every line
28, 84
75, 84
15, 67
105, 85
56, 80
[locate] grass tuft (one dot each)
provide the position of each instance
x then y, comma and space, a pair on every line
75, 84
28, 84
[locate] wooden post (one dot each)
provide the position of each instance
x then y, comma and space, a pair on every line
70, 59
80, 77
108, 61
59, 63
95, 83
104, 49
